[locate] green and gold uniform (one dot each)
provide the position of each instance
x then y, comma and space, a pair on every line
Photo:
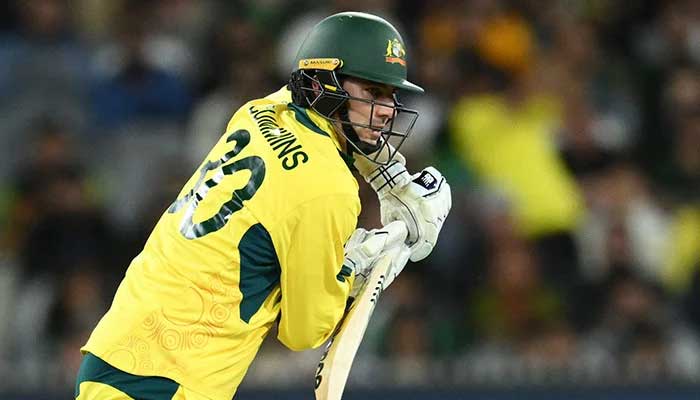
255, 236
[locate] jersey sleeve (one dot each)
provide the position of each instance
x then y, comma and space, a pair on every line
314, 289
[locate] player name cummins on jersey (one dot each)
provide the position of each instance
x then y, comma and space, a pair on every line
255, 236
281, 140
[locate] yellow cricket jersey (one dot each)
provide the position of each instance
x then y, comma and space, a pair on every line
256, 234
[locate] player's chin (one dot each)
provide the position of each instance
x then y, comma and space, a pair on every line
370, 136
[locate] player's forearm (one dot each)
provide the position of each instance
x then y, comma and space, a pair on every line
314, 283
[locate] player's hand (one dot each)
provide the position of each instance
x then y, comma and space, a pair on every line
365, 247
422, 201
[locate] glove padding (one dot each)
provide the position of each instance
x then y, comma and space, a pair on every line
399, 257
365, 247
422, 201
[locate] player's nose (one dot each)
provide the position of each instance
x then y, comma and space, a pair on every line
384, 109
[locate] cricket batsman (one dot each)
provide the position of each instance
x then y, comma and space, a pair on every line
264, 232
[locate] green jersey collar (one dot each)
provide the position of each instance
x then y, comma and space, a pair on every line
302, 116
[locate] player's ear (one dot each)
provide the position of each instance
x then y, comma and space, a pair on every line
315, 85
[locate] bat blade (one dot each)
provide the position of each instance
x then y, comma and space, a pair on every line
334, 367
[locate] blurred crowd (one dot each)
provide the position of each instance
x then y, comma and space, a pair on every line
569, 131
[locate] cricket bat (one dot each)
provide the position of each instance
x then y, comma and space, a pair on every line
336, 361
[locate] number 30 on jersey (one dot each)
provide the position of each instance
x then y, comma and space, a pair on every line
191, 200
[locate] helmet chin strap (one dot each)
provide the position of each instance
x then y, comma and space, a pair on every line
351, 134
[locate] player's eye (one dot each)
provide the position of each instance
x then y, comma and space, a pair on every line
374, 92
381, 94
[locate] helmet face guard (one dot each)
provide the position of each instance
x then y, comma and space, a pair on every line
330, 100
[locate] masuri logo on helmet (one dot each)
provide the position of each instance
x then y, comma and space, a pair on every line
366, 47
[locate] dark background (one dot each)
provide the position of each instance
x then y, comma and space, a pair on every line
569, 131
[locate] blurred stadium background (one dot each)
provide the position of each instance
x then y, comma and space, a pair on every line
569, 130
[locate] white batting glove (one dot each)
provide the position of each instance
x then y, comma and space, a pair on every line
422, 201
365, 247
399, 257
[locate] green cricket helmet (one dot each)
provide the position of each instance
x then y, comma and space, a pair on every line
359, 45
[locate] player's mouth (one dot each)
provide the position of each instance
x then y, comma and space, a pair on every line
370, 136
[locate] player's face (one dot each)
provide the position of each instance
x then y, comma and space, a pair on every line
360, 112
